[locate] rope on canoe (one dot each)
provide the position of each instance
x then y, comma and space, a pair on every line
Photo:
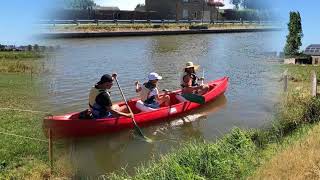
22, 110
24, 137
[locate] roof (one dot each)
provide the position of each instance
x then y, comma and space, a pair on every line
313, 49
108, 8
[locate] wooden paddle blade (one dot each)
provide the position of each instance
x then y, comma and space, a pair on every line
194, 98
139, 132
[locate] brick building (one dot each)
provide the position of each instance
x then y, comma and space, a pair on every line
182, 9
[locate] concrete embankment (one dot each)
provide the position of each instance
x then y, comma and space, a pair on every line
149, 33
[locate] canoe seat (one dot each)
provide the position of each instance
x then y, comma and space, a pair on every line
143, 108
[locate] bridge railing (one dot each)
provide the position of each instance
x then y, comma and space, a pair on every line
158, 21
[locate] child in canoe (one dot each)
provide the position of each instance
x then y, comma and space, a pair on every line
149, 92
189, 81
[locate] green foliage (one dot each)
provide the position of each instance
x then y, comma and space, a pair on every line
79, 4
295, 35
229, 158
251, 4
247, 14
236, 3
256, 4
19, 55
20, 62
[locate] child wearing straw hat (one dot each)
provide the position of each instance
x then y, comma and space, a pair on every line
189, 80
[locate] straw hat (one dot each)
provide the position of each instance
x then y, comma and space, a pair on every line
190, 65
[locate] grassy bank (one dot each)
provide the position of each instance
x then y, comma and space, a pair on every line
23, 146
20, 157
7, 55
143, 27
20, 62
249, 154
301, 73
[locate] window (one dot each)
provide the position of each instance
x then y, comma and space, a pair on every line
185, 14
185, 1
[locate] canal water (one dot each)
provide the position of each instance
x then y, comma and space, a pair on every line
78, 65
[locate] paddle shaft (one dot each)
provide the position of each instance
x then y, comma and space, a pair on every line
124, 99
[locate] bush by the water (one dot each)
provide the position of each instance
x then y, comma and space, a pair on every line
229, 158
20, 62
19, 55
198, 27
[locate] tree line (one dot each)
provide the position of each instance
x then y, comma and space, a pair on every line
251, 4
29, 47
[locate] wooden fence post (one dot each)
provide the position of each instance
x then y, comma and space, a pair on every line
285, 79
313, 84
50, 151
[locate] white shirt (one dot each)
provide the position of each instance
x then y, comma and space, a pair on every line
154, 92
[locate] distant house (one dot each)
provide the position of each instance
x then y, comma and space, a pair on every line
182, 9
314, 51
107, 8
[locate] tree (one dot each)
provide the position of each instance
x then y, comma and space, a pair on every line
36, 47
256, 4
2, 47
79, 4
139, 5
295, 35
29, 47
236, 3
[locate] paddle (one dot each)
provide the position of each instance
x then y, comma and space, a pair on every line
194, 98
191, 97
136, 127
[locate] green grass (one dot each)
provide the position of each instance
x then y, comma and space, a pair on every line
19, 156
229, 158
301, 72
20, 55
20, 62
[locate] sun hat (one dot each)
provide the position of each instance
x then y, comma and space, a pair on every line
154, 76
105, 78
190, 65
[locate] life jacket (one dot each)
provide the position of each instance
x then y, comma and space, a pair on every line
145, 92
97, 110
94, 92
193, 77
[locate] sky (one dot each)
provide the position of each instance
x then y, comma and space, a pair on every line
18, 16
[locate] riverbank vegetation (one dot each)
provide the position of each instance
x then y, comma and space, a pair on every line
23, 147
20, 61
20, 157
254, 153
146, 27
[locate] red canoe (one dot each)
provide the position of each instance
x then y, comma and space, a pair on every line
69, 125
